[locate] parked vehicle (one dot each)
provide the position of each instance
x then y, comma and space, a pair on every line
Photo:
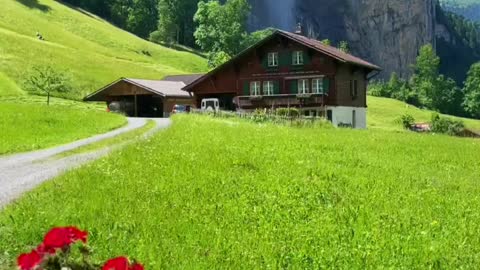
210, 104
177, 108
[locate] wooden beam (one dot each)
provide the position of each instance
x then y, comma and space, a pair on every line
136, 106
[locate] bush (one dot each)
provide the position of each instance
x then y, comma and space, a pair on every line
407, 121
446, 125
288, 112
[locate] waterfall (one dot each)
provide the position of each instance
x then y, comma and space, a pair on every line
281, 13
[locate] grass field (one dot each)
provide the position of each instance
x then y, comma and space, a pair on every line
384, 112
31, 126
91, 50
223, 194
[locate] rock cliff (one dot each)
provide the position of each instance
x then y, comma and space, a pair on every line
385, 32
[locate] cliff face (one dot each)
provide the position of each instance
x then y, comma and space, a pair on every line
385, 32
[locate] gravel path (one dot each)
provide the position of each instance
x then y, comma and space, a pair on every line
22, 172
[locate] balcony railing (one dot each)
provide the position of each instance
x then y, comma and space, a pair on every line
284, 100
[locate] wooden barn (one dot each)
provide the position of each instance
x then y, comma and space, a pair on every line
144, 98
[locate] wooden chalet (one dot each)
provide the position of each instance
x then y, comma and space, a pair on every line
291, 70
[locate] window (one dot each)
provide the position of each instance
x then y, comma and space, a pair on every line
354, 88
273, 59
268, 88
255, 89
317, 86
297, 58
303, 86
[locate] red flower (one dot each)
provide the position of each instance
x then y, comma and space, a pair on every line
121, 263
29, 261
62, 237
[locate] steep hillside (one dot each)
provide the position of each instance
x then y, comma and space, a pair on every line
388, 33
89, 49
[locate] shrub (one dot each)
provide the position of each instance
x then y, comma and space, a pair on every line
407, 121
446, 125
288, 112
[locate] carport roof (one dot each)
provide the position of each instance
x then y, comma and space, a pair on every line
161, 88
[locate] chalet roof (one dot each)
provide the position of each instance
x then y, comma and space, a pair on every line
185, 78
329, 50
161, 88
308, 42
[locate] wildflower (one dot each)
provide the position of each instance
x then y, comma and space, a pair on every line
29, 261
121, 263
62, 237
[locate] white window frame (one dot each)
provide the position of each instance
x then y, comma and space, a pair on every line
273, 59
303, 86
297, 58
317, 86
268, 88
255, 88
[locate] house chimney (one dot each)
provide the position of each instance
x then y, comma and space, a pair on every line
299, 29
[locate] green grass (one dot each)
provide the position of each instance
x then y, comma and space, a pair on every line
92, 50
225, 194
383, 113
117, 140
30, 126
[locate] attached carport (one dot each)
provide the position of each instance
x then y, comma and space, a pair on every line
143, 98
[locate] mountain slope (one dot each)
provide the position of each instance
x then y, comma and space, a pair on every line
468, 8
88, 48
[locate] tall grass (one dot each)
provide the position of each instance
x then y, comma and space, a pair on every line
25, 127
225, 194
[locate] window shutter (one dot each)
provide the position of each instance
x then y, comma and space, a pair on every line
284, 59
246, 88
276, 88
265, 61
326, 85
294, 86
306, 58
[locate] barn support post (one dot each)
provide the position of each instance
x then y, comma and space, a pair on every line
136, 106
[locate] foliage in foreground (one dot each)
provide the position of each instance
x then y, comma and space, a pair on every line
26, 127
221, 193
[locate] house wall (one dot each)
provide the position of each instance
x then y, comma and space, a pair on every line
345, 74
346, 116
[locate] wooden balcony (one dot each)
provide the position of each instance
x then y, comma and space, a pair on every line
276, 101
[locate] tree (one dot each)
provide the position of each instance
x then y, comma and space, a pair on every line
221, 28
326, 42
48, 81
343, 46
471, 102
425, 75
142, 17
256, 36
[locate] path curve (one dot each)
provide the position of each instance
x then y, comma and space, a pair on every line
20, 173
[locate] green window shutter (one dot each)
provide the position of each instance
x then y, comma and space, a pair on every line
276, 88
294, 86
306, 58
265, 61
326, 85
246, 88
285, 59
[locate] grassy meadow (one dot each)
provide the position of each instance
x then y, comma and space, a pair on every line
31, 126
89, 49
383, 113
225, 194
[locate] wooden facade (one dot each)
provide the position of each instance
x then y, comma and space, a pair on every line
343, 77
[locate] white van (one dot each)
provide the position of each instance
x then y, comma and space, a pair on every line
210, 104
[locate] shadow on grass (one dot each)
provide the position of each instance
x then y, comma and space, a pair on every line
34, 4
